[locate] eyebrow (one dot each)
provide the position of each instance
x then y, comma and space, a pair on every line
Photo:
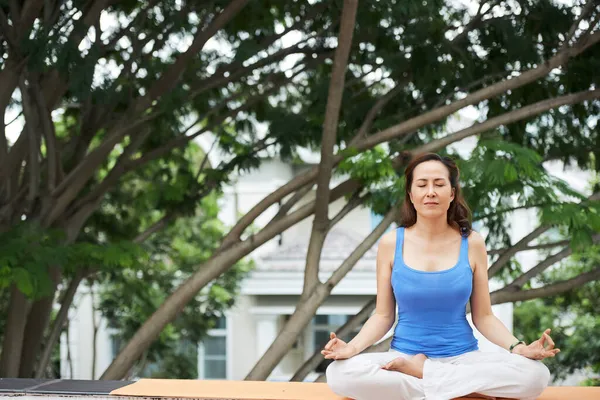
436, 179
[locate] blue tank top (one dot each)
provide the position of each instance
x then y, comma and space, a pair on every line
432, 306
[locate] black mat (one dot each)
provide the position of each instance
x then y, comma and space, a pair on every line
64, 387
19, 385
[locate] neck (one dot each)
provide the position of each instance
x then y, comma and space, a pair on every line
431, 228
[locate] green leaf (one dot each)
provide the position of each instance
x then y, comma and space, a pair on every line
24, 281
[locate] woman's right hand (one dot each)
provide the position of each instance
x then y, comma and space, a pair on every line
337, 349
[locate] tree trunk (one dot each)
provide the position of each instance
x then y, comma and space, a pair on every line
221, 262
13, 334
309, 305
95, 326
60, 321
330, 125
344, 330
175, 303
206, 272
37, 323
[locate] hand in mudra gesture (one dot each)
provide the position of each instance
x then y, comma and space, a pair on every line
337, 349
538, 350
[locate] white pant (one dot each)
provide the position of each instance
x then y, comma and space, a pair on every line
491, 374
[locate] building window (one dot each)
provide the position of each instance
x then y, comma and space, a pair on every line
115, 344
322, 326
213, 353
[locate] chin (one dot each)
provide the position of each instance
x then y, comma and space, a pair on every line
432, 214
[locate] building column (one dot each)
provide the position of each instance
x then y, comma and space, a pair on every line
266, 332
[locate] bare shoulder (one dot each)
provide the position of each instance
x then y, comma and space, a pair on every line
388, 239
386, 250
477, 251
387, 243
476, 241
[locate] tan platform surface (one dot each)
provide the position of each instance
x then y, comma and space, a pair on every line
250, 390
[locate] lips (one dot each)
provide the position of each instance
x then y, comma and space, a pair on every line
430, 204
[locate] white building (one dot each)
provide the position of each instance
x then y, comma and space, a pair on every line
270, 294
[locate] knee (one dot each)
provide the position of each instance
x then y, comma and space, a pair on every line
537, 378
337, 378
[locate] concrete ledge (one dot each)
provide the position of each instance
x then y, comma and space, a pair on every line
42, 389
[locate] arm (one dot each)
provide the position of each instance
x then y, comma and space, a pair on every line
486, 322
385, 310
481, 307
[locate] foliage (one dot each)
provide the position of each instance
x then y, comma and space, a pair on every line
114, 104
572, 316
27, 250
129, 296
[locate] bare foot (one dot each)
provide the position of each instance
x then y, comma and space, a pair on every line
480, 396
412, 366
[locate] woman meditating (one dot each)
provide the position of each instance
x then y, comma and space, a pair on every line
430, 268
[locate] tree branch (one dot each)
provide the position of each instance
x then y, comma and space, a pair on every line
542, 266
483, 94
506, 210
116, 172
47, 127
30, 11
373, 111
342, 271
155, 227
183, 139
503, 296
9, 80
509, 117
535, 247
475, 22
285, 208
354, 201
553, 289
587, 9
59, 322
33, 163
522, 244
221, 79
9, 34
406, 128
170, 78
321, 221
354, 322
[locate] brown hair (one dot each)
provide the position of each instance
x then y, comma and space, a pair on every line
459, 214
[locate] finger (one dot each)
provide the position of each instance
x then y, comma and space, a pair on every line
550, 341
331, 343
542, 340
332, 335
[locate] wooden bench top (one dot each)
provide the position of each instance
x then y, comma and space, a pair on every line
251, 390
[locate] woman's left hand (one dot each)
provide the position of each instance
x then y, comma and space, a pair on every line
537, 350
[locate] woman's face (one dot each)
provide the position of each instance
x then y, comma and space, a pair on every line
431, 192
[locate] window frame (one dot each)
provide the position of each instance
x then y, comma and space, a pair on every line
202, 357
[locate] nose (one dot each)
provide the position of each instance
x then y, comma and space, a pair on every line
430, 190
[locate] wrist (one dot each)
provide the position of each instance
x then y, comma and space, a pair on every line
353, 348
516, 347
